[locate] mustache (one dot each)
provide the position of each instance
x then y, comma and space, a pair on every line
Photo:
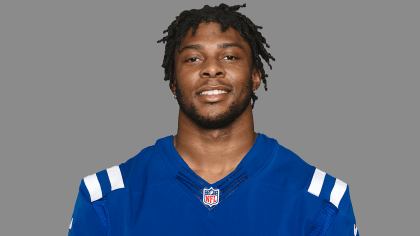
214, 82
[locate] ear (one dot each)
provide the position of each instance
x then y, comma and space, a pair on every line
256, 78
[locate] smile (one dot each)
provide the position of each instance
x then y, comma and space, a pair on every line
212, 92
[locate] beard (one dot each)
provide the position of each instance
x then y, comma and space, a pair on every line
221, 120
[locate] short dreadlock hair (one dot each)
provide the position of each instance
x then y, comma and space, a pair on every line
226, 16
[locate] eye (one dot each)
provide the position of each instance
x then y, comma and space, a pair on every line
193, 59
230, 58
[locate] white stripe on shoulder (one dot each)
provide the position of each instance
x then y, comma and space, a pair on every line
93, 186
317, 182
71, 223
115, 177
338, 192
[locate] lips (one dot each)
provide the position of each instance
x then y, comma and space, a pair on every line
212, 94
213, 98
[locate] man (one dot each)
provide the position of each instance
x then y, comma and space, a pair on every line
216, 176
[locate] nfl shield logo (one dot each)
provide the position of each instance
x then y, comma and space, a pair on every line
211, 196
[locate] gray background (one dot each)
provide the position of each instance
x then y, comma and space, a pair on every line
82, 90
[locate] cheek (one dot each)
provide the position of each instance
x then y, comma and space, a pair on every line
186, 77
185, 88
243, 79
183, 81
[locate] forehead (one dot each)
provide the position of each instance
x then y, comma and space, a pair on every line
212, 32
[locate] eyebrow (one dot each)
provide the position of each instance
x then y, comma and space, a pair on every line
200, 47
195, 46
226, 45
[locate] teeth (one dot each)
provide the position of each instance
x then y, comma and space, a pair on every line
213, 92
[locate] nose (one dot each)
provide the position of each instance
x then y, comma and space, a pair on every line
212, 69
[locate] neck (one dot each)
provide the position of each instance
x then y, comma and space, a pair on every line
214, 153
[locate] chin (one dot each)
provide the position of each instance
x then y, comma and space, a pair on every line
215, 120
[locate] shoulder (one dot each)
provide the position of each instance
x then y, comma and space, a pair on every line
136, 173
329, 188
285, 169
98, 185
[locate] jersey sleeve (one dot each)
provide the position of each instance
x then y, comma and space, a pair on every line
85, 220
345, 222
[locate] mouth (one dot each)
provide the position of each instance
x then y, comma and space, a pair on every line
213, 96
213, 92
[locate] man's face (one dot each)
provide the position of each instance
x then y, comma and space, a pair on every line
214, 77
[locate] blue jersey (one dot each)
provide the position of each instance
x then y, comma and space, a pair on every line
271, 192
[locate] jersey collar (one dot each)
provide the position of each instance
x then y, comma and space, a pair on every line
251, 163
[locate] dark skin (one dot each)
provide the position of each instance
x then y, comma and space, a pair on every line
214, 60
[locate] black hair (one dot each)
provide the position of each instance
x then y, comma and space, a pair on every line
226, 16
